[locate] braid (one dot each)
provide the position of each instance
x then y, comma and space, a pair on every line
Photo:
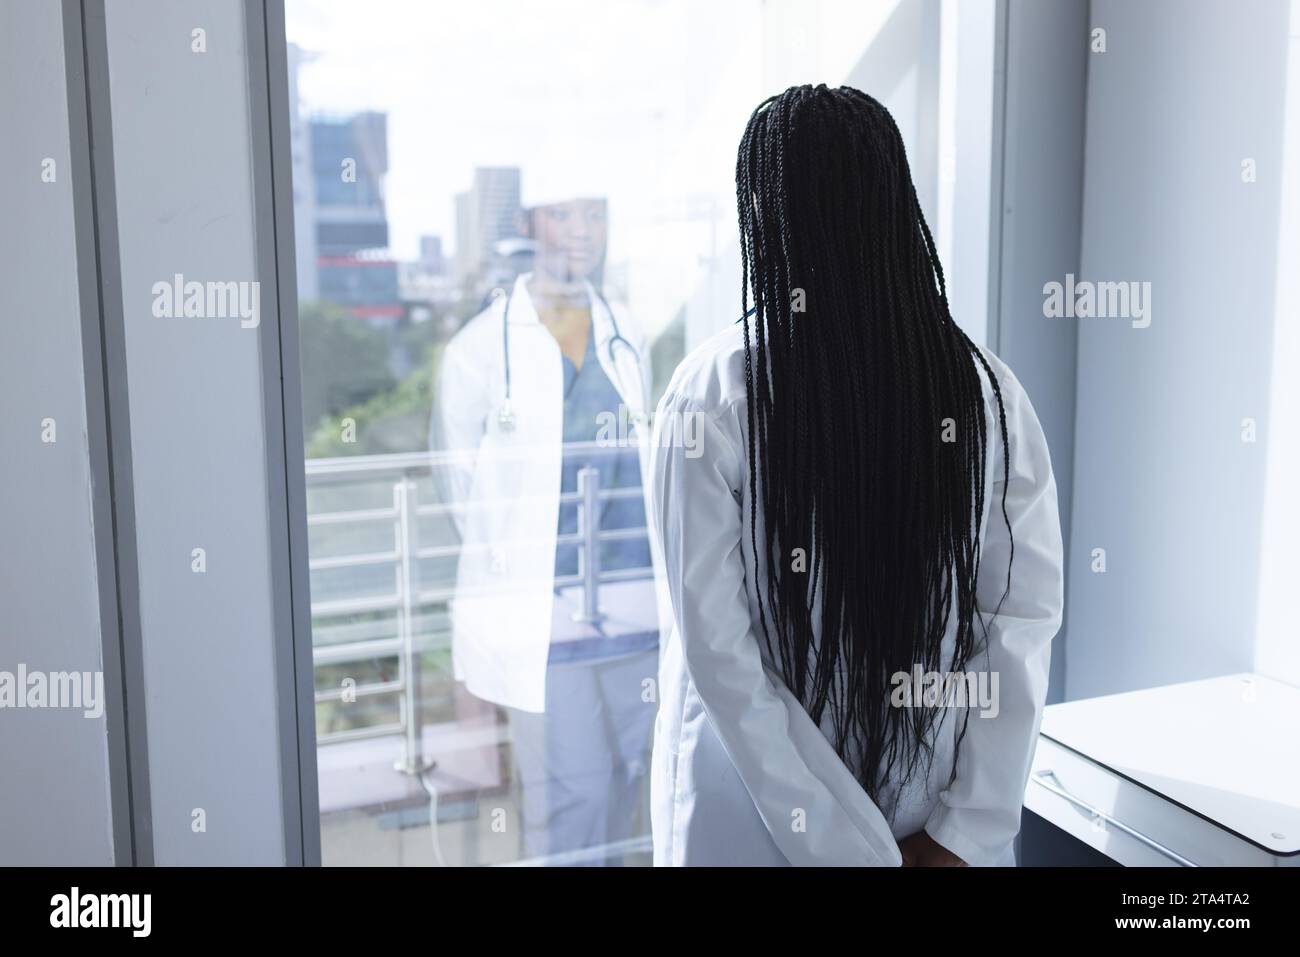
845, 407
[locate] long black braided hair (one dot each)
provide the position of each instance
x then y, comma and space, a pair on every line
867, 435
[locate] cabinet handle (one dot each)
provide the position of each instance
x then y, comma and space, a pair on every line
1048, 780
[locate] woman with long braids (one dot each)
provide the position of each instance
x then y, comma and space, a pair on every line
861, 539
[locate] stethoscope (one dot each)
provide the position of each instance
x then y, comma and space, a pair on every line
506, 415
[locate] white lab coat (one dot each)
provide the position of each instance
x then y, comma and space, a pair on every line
740, 773
507, 486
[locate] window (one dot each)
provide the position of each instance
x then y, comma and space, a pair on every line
507, 240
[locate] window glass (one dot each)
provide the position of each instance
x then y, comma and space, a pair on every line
512, 221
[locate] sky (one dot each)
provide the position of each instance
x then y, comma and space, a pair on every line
641, 101
586, 96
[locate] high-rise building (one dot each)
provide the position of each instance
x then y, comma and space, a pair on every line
340, 223
486, 214
431, 256
349, 158
466, 247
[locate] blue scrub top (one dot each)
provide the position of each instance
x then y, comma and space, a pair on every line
589, 399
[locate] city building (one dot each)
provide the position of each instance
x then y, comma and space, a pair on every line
486, 213
349, 158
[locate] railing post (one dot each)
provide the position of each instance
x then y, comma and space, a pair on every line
589, 490
404, 501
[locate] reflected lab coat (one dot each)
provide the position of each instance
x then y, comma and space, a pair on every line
740, 773
506, 484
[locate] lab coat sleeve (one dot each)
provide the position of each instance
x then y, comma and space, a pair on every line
456, 427
699, 525
979, 814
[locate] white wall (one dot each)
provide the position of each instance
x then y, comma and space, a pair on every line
1163, 480
1036, 226
1277, 639
54, 784
970, 126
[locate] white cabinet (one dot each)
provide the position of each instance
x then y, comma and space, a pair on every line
1205, 773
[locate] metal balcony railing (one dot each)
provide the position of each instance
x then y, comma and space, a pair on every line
414, 632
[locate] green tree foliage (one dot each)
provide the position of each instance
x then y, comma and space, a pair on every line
344, 362
393, 421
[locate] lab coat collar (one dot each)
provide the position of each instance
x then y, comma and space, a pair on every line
522, 310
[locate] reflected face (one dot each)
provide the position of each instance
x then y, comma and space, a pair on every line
570, 238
